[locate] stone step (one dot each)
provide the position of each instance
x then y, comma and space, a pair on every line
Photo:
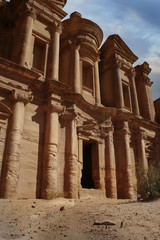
91, 193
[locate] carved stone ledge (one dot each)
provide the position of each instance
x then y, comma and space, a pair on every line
21, 96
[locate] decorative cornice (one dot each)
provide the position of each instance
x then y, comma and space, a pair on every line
142, 72
17, 72
115, 45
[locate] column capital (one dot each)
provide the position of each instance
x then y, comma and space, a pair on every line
97, 57
123, 128
141, 135
75, 45
30, 12
57, 27
69, 115
53, 106
117, 64
131, 72
146, 80
19, 96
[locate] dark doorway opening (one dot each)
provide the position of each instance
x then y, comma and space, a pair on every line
87, 180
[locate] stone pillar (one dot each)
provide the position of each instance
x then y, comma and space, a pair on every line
97, 83
157, 144
148, 111
50, 160
111, 184
80, 161
54, 49
152, 107
101, 159
144, 91
118, 86
11, 169
134, 98
75, 47
125, 178
29, 18
141, 153
71, 168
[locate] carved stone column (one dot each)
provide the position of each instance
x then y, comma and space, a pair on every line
97, 83
148, 111
157, 144
125, 173
54, 48
50, 161
29, 18
111, 184
12, 154
134, 97
76, 67
71, 168
101, 167
118, 86
143, 83
141, 153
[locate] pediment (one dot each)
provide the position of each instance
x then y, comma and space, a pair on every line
115, 44
57, 3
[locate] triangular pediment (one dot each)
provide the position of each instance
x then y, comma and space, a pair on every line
116, 45
58, 3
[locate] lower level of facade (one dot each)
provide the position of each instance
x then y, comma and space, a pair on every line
65, 147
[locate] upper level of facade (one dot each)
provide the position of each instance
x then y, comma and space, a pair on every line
34, 36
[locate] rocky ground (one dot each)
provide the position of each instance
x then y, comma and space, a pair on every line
87, 219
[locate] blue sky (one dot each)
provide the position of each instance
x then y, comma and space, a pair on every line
137, 22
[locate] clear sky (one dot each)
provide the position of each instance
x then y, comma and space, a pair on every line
136, 21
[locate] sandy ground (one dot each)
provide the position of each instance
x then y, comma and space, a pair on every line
74, 219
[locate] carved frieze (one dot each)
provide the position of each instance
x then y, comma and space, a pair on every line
92, 129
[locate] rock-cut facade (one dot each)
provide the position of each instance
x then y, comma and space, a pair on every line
75, 116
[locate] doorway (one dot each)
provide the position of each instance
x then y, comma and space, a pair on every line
87, 177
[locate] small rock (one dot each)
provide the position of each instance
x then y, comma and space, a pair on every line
105, 222
62, 208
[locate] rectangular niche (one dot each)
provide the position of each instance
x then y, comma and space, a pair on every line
39, 55
126, 96
87, 76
